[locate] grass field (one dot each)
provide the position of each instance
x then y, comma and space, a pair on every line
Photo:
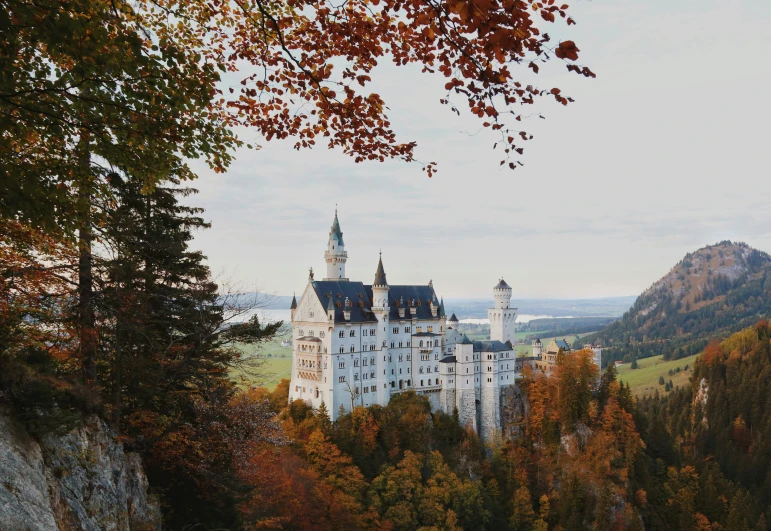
275, 363
645, 380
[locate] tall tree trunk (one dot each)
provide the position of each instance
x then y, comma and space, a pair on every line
85, 306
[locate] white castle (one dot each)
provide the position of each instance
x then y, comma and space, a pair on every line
358, 344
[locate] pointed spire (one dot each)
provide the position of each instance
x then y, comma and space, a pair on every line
380, 276
441, 308
331, 305
335, 231
294, 302
465, 340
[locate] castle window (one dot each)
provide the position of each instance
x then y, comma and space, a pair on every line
372, 360
372, 331
421, 383
311, 314
341, 333
406, 329
364, 361
408, 343
341, 379
428, 369
436, 368
436, 342
300, 332
421, 343
409, 356
437, 381
400, 344
419, 329
396, 330
342, 350
392, 344
430, 328
356, 377
364, 332
353, 349
421, 370
355, 363
372, 346
372, 374
400, 357
353, 333
322, 334
341, 365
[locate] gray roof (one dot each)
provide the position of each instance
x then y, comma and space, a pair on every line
441, 307
423, 334
333, 292
335, 231
465, 340
502, 285
421, 295
294, 303
490, 346
561, 343
453, 319
309, 338
448, 359
380, 276
361, 300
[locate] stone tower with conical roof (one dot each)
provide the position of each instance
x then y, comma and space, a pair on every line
335, 255
502, 316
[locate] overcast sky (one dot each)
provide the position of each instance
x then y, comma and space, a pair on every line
665, 152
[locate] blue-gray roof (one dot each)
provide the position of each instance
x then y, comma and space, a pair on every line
502, 285
294, 303
453, 319
561, 343
360, 296
335, 231
448, 359
490, 346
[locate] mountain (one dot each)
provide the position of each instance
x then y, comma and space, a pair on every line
714, 291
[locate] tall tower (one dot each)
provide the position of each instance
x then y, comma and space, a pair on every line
381, 308
502, 316
335, 255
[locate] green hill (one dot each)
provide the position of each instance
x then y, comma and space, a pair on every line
645, 379
712, 292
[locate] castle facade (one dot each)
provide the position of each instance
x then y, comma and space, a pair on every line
356, 344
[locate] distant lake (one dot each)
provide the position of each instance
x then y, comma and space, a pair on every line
522, 318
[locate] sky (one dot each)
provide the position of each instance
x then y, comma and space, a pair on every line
664, 152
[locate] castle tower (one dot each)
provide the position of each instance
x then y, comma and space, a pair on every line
537, 348
335, 255
381, 308
502, 317
467, 392
293, 307
380, 286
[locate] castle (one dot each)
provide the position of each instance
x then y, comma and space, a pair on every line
358, 344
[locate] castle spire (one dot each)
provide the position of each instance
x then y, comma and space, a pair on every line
294, 302
335, 255
380, 276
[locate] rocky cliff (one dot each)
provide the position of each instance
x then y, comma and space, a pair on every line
80, 481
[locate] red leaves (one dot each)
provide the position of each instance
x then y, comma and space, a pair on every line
567, 50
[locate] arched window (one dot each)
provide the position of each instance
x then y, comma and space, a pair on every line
421, 370
428, 369
355, 363
353, 349
421, 343
436, 368
372, 360
342, 350
353, 333
437, 381
341, 334
436, 342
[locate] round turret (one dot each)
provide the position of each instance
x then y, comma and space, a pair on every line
502, 294
453, 322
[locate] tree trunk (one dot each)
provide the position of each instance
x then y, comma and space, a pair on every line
85, 306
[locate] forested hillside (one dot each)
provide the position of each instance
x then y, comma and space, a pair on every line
711, 441
712, 292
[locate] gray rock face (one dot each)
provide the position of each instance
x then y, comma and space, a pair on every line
514, 411
80, 481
